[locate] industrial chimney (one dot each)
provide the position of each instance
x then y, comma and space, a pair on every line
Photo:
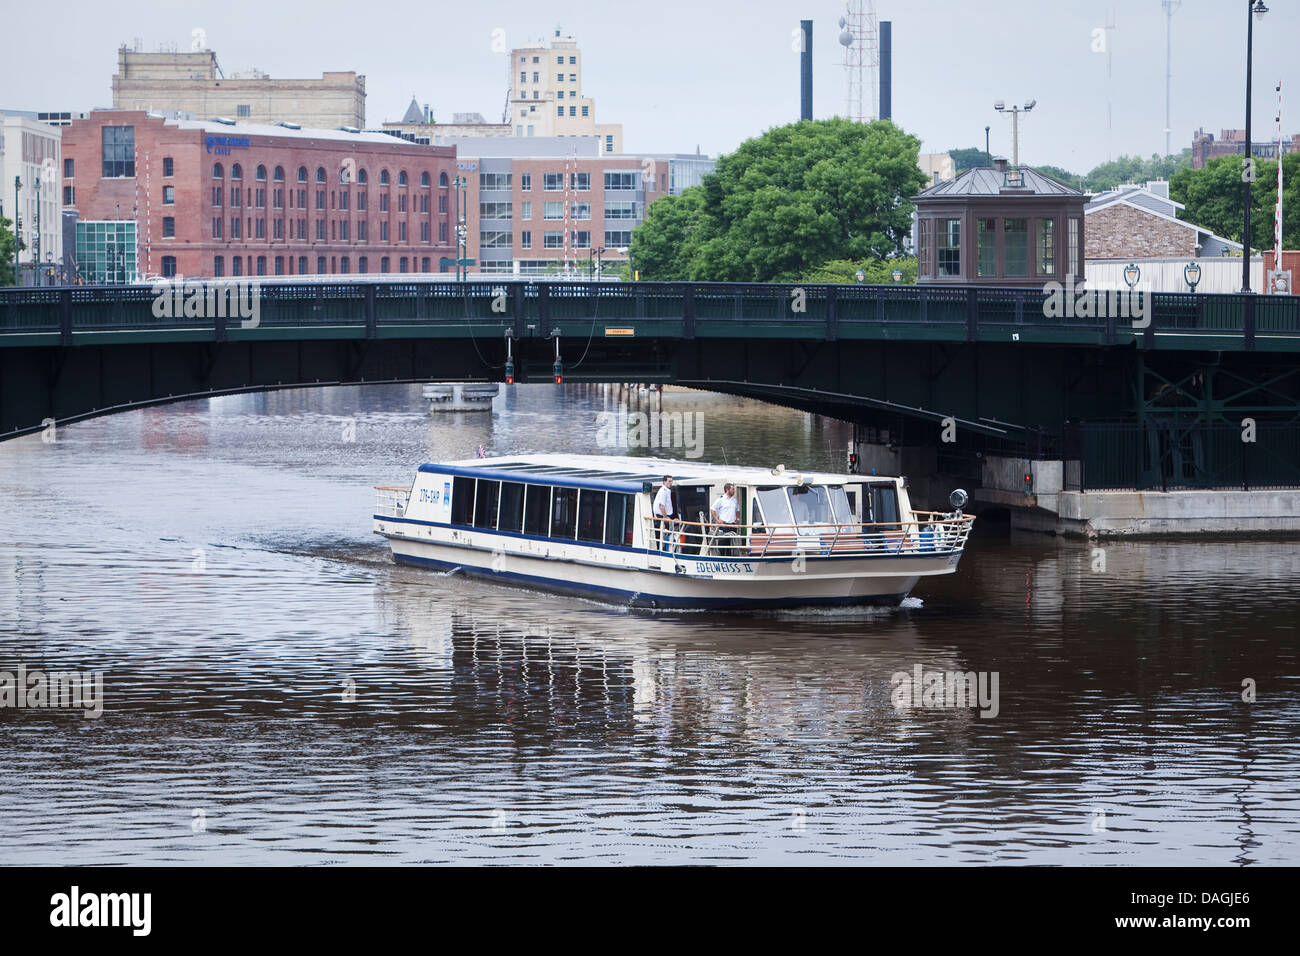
805, 71
886, 68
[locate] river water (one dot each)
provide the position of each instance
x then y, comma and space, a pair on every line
276, 691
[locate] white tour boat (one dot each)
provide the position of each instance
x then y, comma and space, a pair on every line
583, 525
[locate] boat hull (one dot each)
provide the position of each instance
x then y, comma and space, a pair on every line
682, 584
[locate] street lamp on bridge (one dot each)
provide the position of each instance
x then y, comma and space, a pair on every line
1255, 10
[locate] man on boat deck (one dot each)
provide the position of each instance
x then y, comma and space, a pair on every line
726, 512
663, 512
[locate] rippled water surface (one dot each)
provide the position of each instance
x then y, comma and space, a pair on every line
277, 691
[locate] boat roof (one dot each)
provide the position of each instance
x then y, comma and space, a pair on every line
617, 473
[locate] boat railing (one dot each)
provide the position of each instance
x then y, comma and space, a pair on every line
928, 532
390, 500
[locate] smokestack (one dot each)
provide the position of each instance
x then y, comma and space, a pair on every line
886, 68
805, 71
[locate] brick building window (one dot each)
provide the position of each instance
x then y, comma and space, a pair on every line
169, 167
118, 151
217, 223
67, 168
218, 266
279, 265
69, 196
168, 266
363, 264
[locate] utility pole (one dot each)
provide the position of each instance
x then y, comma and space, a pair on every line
1171, 7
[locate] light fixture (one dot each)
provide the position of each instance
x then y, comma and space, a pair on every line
1030, 105
1132, 274
861, 276
1259, 9
1192, 273
999, 105
898, 275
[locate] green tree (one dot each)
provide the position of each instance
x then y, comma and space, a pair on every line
7, 243
875, 271
1213, 197
1061, 175
667, 240
964, 159
1135, 169
785, 202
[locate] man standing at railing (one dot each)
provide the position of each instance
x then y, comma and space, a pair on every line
663, 513
726, 514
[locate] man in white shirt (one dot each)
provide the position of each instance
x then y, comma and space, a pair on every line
663, 512
726, 512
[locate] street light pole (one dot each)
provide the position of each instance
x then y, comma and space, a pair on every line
18, 230
1254, 8
36, 245
1015, 112
988, 157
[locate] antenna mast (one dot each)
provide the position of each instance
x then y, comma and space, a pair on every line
860, 37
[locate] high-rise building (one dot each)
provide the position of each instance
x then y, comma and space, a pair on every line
194, 83
547, 97
545, 100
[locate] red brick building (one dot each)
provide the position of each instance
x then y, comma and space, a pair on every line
211, 199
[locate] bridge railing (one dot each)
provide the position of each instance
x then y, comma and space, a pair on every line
673, 307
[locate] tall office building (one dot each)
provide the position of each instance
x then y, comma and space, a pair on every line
547, 96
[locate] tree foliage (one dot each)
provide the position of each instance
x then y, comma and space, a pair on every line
969, 158
875, 271
785, 202
1213, 197
6, 252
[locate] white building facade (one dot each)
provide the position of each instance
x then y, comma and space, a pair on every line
31, 184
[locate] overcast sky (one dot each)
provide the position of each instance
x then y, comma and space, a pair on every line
683, 74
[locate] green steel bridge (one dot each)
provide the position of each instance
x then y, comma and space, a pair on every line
898, 358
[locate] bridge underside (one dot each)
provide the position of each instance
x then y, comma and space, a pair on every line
998, 390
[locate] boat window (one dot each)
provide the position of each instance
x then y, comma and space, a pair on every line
511, 516
564, 512
485, 503
776, 509
591, 515
537, 510
462, 500
618, 519
884, 504
811, 504
841, 507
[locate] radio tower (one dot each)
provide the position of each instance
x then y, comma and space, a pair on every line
860, 37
